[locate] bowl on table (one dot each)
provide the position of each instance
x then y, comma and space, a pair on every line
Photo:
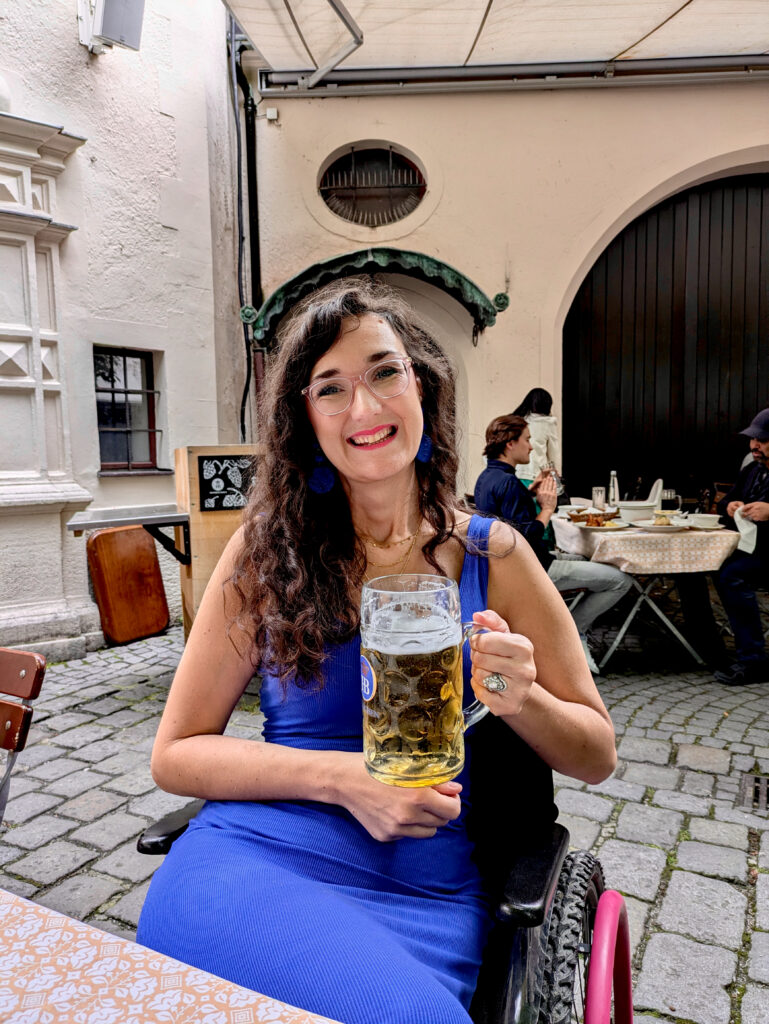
632, 511
704, 520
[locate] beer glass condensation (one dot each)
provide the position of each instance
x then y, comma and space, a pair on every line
411, 679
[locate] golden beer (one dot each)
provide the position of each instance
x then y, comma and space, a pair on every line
412, 720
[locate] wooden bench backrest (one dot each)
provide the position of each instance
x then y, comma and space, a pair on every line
21, 676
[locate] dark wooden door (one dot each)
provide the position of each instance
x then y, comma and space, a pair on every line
666, 345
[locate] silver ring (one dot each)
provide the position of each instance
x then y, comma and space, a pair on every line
495, 682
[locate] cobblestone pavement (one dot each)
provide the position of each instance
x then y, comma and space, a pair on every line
669, 826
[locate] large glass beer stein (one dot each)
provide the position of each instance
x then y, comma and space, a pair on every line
411, 679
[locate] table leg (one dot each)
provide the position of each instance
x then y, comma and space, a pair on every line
624, 627
676, 632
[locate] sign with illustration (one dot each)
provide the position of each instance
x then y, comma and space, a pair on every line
224, 481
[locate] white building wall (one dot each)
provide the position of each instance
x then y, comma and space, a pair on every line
147, 192
523, 187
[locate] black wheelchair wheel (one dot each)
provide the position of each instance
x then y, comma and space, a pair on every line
567, 956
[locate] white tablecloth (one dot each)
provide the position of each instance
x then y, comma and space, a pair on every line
648, 554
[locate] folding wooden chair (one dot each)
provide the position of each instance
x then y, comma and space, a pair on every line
21, 676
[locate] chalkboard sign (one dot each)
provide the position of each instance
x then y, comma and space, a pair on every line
224, 481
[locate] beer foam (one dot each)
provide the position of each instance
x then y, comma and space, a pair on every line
411, 630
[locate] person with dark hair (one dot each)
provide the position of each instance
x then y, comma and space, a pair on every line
748, 568
499, 492
304, 877
536, 409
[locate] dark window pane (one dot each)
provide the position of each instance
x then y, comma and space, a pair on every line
113, 446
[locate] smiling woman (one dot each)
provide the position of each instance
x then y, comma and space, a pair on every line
308, 852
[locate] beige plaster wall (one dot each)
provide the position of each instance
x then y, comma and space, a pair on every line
151, 264
525, 186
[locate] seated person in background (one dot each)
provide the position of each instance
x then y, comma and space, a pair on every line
743, 572
499, 491
304, 877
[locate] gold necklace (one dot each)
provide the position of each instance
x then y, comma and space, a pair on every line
387, 544
404, 563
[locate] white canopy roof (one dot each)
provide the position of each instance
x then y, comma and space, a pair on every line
302, 35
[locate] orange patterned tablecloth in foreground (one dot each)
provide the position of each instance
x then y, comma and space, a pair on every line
648, 554
54, 970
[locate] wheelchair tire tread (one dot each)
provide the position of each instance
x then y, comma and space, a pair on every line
581, 880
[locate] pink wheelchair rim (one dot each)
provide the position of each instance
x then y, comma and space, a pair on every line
610, 964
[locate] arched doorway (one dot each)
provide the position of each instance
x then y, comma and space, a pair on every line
666, 345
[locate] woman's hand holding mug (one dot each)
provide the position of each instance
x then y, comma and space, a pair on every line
503, 665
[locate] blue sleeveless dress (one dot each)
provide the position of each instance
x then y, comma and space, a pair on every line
296, 900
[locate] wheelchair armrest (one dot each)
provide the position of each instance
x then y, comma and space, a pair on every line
531, 884
159, 838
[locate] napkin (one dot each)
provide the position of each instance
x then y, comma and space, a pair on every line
748, 532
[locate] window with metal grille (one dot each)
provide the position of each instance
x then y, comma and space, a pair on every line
372, 186
125, 408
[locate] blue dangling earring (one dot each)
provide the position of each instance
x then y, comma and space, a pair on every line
425, 450
322, 478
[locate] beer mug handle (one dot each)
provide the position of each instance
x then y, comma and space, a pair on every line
473, 712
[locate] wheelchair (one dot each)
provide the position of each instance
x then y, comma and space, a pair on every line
559, 947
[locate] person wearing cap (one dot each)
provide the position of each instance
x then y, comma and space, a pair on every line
744, 572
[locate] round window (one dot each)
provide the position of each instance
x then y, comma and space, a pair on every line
372, 186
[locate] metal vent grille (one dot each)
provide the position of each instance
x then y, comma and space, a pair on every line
754, 790
372, 187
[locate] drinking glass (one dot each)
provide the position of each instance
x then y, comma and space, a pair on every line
599, 498
411, 679
670, 500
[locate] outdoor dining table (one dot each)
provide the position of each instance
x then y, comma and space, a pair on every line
650, 555
53, 968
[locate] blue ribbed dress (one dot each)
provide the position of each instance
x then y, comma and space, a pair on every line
298, 901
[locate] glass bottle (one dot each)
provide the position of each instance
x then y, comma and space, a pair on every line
613, 492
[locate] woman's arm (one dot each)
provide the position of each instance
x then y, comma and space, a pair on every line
551, 700
193, 758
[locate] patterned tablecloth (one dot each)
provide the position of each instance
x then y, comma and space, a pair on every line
54, 969
648, 554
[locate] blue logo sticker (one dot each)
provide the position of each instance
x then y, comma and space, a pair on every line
367, 678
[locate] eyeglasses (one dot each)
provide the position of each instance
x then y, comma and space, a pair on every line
333, 395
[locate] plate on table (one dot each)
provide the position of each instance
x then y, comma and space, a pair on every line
718, 526
648, 524
603, 529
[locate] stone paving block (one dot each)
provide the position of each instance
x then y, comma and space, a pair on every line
763, 853
37, 831
82, 736
697, 783
79, 895
77, 782
132, 783
154, 805
49, 771
21, 784
632, 748
561, 781
94, 803
726, 811
637, 912
719, 832
110, 831
130, 906
103, 706
633, 869
649, 824
686, 980
584, 805
703, 908
126, 761
53, 861
619, 789
652, 775
99, 751
682, 802
703, 758
762, 902
582, 833
754, 1005
126, 862
17, 886
758, 965
139, 733
22, 808
36, 753
716, 861
70, 721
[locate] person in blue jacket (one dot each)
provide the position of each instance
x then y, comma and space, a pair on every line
498, 491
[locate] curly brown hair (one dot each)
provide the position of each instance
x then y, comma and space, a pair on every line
301, 559
500, 432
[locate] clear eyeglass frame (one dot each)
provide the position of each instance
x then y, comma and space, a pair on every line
388, 388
